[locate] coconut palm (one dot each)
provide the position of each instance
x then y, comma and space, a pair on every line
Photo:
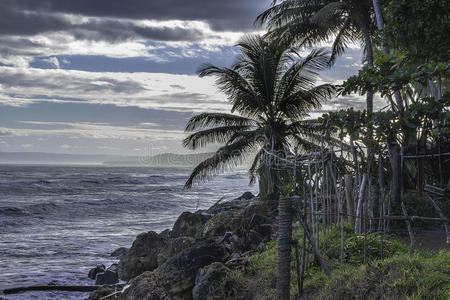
271, 91
312, 22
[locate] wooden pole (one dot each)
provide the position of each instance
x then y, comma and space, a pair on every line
439, 211
349, 197
313, 245
410, 230
302, 273
359, 208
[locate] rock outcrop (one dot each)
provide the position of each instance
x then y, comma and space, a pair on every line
176, 277
94, 271
142, 255
187, 262
189, 224
208, 282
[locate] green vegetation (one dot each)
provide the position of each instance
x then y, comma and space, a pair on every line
384, 161
387, 271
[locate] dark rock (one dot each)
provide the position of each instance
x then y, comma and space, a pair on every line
113, 268
98, 269
208, 282
173, 247
120, 252
165, 234
107, 277
217, 225
142, 255
246, 196
252, 225
144, 286
177, 275
189, 224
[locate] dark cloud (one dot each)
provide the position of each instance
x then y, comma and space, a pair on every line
70, 83
221, 14
23, 23
30, 17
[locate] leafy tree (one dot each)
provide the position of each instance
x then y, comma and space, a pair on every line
419, 29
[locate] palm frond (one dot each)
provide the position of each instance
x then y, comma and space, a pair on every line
216, 135
207, 120
226, 156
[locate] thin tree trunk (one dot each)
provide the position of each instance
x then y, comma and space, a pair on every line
369, 58
394, 153
284, 248
359, 209
349, 198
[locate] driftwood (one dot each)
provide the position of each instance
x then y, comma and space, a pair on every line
66, 288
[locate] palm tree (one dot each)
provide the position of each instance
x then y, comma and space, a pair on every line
312, 22
271, 91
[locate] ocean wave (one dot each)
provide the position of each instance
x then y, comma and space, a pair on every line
38, 208
234, 176
12, 211
154, 179
106, 202
25, 182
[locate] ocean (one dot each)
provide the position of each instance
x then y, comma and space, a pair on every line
57, 222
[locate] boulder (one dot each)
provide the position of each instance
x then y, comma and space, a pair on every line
217, 225
142, 255
120, 252
246, 196
176, 277
189, 224
178, 273
144, 286
252, 225
98, 269
113, 268
173, 247
208, 282
107, 277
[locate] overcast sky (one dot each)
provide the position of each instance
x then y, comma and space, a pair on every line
118, 77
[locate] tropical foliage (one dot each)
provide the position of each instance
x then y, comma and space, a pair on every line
271, 90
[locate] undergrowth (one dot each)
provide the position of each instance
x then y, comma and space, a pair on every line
382, 269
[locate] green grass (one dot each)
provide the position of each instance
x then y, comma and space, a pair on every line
387, 270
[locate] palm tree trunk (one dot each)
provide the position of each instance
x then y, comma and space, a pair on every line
380, 22
284, 248
369, 59
380, 25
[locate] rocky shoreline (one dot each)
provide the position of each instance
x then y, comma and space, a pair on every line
190, 260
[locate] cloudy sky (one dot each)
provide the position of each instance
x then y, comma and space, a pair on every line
118, 77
